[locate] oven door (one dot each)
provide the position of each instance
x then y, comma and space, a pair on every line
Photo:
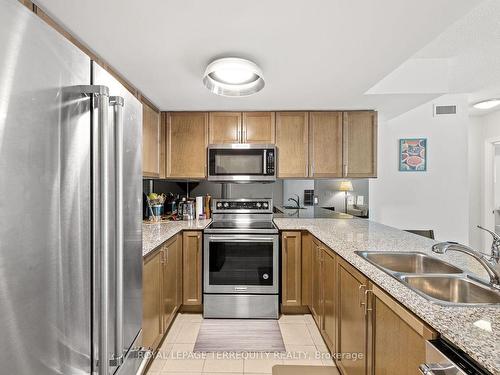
241, 163
238, 263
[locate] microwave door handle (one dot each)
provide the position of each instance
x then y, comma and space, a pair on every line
265, 163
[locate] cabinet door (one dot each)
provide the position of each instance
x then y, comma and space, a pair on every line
258, 127
317, 284
328, 327
352, 321
325, 144
293, 144
151, 300
192, 271
169, 282
398, 337
150, 142
291, 269
307, 259
187, 139
360, 144
179, 274
224, 127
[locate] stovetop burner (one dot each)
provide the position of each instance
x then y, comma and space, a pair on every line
242, 216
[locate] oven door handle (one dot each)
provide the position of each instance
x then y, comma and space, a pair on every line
241, 238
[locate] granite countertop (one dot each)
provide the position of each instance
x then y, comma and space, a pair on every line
475, 330
309, 212
153, 235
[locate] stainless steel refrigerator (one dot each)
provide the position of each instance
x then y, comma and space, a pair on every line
70, 207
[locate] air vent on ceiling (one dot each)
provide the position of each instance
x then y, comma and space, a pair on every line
445, 110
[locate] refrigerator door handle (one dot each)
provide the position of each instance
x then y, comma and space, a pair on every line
101, 196
117, 103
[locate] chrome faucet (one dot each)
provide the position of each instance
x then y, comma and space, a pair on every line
297, 201
491, 264
495, 245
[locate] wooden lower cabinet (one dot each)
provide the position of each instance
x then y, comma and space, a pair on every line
151, 300
398, 337
373, 333
291, 283
352, 323
172, 250
316, 306
329, 293
306, 272
161, 290
192, 267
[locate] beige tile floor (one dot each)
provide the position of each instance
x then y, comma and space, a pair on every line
302, 339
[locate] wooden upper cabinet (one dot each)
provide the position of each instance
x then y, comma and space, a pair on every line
291, 269
187, 139
292, 141
258, 127
224, 127
325, 144
150, 142
398, 336
360, 144
192, 268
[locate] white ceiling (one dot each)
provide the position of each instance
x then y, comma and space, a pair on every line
464, 59
320, 54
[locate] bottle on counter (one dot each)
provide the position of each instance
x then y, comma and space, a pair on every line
208, 201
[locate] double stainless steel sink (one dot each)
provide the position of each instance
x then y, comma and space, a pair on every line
432, 278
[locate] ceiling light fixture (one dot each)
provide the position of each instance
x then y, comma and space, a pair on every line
232, 76
487, 104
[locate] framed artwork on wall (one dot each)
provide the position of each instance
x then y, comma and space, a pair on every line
413, 155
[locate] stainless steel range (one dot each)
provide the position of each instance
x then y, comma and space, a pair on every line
241, 260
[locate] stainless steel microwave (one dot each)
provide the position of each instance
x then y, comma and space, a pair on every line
242, 162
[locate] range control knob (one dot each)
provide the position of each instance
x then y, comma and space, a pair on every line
265, 205
258, 205
219, 205
226, 205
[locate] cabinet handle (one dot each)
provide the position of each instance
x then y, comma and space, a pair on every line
367, 292
162, 258
361, 295
346, 169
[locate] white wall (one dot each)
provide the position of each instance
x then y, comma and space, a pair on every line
437, 199
476, 157
497, 176
488, 131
